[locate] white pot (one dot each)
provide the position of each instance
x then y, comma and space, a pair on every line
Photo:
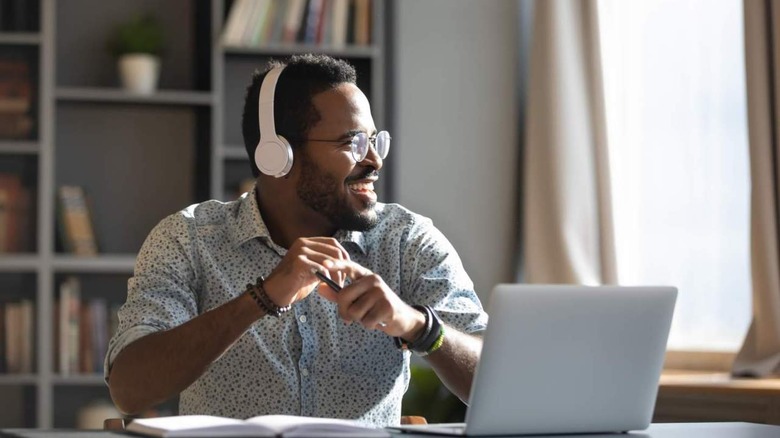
139, 72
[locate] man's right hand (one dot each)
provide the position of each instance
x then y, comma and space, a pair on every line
293, 279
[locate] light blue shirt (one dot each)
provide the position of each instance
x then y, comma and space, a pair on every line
308, 361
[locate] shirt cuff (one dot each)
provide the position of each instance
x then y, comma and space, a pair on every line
123, 340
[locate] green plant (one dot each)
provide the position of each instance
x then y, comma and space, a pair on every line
429, 398
142, 34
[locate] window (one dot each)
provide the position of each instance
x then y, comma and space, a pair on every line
677, 131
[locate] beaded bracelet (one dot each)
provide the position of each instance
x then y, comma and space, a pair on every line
257, 292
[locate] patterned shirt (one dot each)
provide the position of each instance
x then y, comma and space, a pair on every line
307, 362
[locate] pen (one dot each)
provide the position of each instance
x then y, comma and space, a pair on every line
333, 285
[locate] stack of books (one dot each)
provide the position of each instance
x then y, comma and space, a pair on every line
83, 330
333, 23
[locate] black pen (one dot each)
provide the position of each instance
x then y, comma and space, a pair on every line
333, 285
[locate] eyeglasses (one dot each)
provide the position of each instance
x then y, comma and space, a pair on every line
360, 143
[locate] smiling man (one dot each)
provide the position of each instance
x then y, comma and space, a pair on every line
226, 310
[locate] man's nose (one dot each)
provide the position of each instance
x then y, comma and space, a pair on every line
372, 157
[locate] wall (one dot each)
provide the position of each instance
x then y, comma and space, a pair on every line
456, 123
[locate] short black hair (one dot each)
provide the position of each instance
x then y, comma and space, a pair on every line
304, 76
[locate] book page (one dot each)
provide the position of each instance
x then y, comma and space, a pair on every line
196, 426
295, 426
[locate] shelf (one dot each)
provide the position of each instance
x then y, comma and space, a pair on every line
114, 263
234, 152
13, 262
27, 38
8, 147
182, 144
18, 379
79, 379
115, 95
366, 52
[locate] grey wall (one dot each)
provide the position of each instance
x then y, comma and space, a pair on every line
456, 124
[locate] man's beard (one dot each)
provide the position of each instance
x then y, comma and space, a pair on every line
321, 192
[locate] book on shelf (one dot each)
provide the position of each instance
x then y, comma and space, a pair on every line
18, 336
362, 22
333, 23
16, 121
261, 426
68, 325
3, 344
100, 323
85, 348
338, 17
18, 15
75, 221
82, 330
14, 214
295, 15
312, 24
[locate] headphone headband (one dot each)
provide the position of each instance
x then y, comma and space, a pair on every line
273, 155
265, 103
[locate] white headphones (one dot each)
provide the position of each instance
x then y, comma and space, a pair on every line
273, 155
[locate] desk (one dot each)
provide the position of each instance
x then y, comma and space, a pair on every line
659, 430
708, 396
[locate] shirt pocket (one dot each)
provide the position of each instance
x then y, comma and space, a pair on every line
368, 353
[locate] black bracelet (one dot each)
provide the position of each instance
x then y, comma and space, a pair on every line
257, 292
431, 338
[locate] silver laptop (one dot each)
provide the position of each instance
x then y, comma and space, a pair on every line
567, 359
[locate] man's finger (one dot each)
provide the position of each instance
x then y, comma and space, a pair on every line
327, 292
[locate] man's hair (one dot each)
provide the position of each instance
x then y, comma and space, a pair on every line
304, 76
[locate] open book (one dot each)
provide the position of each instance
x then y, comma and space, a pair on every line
262, 426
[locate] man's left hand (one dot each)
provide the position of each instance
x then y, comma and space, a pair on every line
369, 301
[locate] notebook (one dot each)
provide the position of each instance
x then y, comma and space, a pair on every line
567, 359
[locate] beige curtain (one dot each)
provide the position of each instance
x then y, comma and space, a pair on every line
760, 353
567, 218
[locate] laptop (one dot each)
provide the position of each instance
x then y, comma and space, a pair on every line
567, 359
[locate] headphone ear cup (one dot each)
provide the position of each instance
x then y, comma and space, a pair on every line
274, 157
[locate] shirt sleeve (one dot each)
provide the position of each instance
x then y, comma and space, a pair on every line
162, 292
433, 275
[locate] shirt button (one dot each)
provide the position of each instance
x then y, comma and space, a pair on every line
304, 372
302, 318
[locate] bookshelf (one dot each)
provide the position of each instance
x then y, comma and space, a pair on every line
139, 159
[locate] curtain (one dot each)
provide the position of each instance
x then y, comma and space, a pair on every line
567, 220
760, 353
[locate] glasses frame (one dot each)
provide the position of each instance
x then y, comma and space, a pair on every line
354, 142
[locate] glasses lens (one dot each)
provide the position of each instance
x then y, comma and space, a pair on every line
360, 146
383, 144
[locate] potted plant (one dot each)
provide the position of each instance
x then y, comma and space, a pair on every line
137, 44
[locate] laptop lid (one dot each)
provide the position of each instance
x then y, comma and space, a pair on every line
570, 359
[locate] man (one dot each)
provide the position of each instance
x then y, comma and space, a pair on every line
200, 323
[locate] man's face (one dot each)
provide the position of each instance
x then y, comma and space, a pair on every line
330, 181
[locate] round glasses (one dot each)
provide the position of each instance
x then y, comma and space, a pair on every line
360, 143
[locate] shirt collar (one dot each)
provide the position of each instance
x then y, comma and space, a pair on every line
249, 224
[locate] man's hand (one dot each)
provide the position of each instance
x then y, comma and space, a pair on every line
293, 279
369, 301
